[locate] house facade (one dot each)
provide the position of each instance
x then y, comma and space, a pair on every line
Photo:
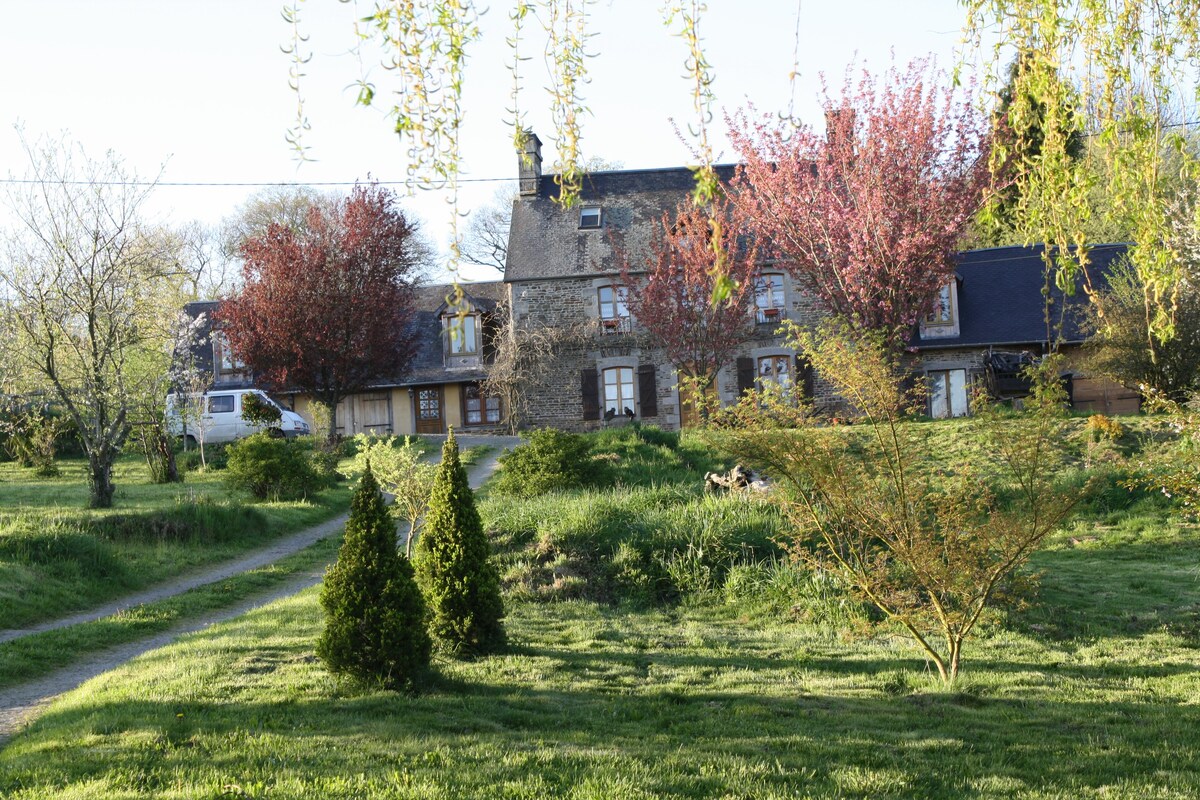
441, 387
996, 307
562, 271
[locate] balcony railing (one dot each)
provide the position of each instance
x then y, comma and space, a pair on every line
615, 325
770, 316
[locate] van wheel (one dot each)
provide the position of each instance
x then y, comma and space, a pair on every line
189, 442
275, 433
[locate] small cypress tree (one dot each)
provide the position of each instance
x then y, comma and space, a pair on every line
374, 613
460, 584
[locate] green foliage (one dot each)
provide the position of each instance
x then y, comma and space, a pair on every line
374, 613
31, 434
460, 584
271, 468
551, 460
929, 543
1122, 347
401, 472
216, 458
257, 411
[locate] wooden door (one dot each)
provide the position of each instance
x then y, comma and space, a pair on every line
430, 405
689, 413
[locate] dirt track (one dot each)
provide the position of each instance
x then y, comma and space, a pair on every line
21, 703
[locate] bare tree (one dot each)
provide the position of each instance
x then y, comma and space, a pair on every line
486, 239
518, 374
83, 274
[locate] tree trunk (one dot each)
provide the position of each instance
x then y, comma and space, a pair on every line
331, 436
100, 479
167, 453
954, 657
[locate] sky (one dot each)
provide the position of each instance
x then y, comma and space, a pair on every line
197, 92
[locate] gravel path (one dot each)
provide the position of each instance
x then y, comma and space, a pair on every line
21, 703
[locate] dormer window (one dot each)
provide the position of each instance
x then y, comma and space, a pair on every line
614, 308
228, 365
768, 298
463, 332
589, 217
943, 308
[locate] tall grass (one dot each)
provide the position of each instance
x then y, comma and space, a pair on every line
57, 558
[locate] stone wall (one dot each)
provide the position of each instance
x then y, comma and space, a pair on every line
573, 303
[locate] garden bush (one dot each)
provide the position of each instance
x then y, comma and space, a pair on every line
374, 613
551, 460
271, 468
454, 570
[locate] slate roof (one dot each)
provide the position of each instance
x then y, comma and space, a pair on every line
428, 365
545, 240
1000, 300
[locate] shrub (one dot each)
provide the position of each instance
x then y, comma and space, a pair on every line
374, 613
257, 411
216, 457
401, 472
551, 460
1102, 428
270, 468
325, 465
459, 581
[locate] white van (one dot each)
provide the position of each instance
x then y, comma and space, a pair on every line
222, 420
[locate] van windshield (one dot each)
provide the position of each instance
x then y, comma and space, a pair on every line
269, 401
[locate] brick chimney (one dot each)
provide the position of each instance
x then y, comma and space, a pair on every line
529, 163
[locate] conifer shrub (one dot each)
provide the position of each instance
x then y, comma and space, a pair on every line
374, 613
460, 583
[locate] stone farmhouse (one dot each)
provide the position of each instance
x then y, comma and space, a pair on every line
563, 274
562, 270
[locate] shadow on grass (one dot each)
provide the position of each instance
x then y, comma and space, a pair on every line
1147, 587
695, 744
672, 722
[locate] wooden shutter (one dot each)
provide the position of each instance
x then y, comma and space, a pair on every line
647, 390
745, 375
804, 378
589, 383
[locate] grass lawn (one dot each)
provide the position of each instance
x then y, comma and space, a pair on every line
597, 702
32, 656
57, 557
661, 649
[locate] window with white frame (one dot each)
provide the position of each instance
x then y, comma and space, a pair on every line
614, 308
618, 392
589, 217
464, 339
768, 297
947, 393
224, 359
943, 308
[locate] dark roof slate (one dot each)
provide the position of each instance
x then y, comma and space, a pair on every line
1000, 299
429, 363
545, 240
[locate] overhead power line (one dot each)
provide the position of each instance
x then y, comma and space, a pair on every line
218, 184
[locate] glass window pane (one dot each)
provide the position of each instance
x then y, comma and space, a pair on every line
939, 393
958, 392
